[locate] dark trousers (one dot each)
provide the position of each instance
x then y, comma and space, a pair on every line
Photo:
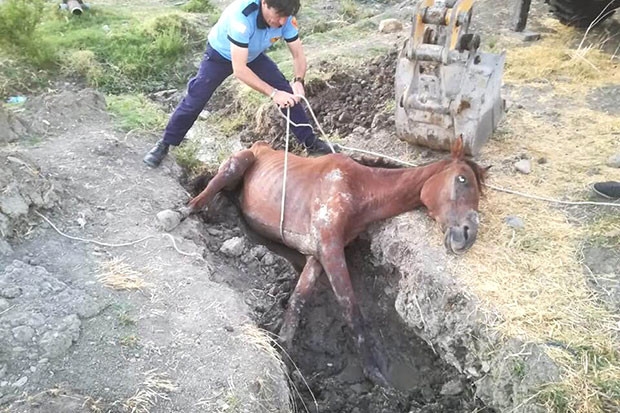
214, 69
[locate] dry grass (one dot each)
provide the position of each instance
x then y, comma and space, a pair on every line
155, 387
269, 345
550, 60
118, 275
533, 277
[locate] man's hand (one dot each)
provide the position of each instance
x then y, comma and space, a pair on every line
284, 99
298, 89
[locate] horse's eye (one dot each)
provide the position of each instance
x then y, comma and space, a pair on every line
461, 179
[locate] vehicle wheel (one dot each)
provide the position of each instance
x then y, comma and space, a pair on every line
580, 13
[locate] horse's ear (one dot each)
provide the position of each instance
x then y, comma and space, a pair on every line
484, 171
458, 150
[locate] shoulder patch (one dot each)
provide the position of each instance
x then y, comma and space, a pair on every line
294, 23
249, 9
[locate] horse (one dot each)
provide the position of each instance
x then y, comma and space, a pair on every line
329, 201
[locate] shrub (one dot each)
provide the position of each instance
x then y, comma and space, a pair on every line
19, 20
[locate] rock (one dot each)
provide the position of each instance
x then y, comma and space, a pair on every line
10, 292
167, 220
529, 36
268, 259
5, 248
233, 247
259, 251
524, 166
614, 161
23, 334
514, 222
452, 388
20, 382
390, 26
11, 128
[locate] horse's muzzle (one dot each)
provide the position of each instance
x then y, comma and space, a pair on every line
460, 237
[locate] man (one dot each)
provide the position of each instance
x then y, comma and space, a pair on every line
236, 45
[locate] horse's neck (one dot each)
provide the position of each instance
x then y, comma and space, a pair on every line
398, 190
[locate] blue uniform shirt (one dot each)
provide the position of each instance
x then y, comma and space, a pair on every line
242, 23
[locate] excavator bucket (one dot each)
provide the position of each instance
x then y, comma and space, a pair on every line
446, 87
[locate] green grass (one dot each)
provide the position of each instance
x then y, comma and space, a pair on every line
136, 112
107, 48
604, 231
186, 156
555, 398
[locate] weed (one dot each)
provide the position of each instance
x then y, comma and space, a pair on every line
19, 20
136, 112
199, 6
349, 10
124, 318
130, 341
555, 398
186, 156
519, 368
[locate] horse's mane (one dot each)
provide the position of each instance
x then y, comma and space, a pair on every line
380, 162
479, 172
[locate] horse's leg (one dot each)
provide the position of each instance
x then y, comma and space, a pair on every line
305, 285
335, 266
228, 176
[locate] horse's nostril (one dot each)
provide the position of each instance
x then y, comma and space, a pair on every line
466, 232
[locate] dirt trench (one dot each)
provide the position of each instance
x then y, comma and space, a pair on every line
324, 366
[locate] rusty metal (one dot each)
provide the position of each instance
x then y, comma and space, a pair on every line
444, 85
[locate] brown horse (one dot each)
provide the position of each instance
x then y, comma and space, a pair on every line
330, 200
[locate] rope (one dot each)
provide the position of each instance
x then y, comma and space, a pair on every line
124, 244
497, 188
288, 128
555, 201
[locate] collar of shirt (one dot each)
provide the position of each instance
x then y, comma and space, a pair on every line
260, 20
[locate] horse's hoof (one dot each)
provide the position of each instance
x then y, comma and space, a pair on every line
168, 219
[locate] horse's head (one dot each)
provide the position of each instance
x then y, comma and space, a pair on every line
451, 196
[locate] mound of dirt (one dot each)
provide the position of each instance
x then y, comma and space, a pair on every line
55, 113
24, 187
347, 102
11, 127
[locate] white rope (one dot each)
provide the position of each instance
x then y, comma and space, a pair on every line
288, 128
556, 201
497, 188
124, 244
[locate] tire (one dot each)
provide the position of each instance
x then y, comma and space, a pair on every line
580, 13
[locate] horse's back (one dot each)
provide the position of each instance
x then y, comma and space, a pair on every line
307, 182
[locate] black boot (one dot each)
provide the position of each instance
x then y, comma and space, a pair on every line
321, 148
157, 154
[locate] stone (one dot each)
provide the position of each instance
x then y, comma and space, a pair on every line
529, 36
614, 161
390, 26
514, 222
23, 334
233, 247
20, 382
524, 166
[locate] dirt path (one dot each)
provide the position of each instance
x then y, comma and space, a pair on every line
175, 342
